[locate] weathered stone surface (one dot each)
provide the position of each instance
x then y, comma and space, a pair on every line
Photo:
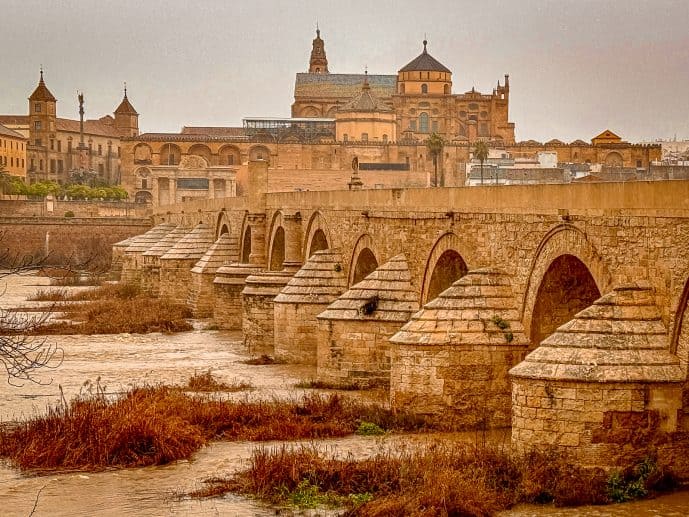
150, 272
317, 284
258, 322
228, 285
354, 329
201, 292
176, 263
132, 256
454, 354
620, 338
604, 386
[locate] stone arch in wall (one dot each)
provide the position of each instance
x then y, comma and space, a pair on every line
143, 196
170, 154
229, 155
613, 159
331, 112
310, 111
259, 152
317, 236
448, 261
276, 245
201, 150
567, 275
222, 224
364, 261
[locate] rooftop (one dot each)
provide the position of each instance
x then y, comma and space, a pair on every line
425, 62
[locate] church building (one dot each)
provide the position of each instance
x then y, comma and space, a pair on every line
419, 97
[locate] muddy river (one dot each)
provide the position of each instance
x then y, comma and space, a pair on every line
118, 362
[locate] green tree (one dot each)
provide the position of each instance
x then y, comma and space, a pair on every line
435, 144
5, 180
481, 154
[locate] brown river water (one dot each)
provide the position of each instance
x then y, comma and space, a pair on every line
121, 361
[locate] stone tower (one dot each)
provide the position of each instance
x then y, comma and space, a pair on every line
126, 118
318, 64
42, 114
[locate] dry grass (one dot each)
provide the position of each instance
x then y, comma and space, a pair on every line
315, 384
206, 382
118, 308
156, 425
49, 295
437, 480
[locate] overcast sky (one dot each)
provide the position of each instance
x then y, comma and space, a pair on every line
576, 67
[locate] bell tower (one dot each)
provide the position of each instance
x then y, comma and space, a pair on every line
42, 115
318, 64
126, 118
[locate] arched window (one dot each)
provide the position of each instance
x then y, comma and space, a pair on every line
424, 88
385, 139
402, 88
345, 137
423, 123
447, 89
364, 137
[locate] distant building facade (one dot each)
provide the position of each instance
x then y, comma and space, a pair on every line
51, 150
382, 120
13, 152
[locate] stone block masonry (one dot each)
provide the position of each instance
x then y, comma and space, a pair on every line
86, 241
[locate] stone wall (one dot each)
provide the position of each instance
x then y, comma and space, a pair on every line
78, 241
58, 208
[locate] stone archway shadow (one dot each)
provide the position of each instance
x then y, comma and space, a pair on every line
450, 259
568, 274
317, 236
364, 259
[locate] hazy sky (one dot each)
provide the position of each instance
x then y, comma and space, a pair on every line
576, 67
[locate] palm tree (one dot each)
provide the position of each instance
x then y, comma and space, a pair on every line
435, 144
481, 154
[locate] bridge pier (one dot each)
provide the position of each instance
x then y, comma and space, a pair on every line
258, 317
603, 388
201, 293
354, 330
228, 285
316, 285
453, 356
132, 260
176, 263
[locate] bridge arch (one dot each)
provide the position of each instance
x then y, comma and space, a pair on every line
317, 236
276, 244
245, 246
444, 265
222, 224
364, 261
566, 276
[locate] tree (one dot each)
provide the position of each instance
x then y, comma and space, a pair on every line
481, 154
435, 144
21, 353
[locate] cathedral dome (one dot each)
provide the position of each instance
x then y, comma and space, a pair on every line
425, 63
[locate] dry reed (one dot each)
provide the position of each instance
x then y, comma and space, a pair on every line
156, 425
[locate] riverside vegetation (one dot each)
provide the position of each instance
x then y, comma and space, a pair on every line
113, 309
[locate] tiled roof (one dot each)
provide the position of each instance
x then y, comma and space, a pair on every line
91, 127
365, 101
342, 86
5, 131
425, 62
620, 338
125, 107
320, 280
213, 131
42, 93
18, 120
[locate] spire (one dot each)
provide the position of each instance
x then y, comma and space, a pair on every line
318, 64
125, 107
425, 43
42, 93
366, 85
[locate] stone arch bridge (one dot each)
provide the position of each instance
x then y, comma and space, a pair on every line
557, 309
